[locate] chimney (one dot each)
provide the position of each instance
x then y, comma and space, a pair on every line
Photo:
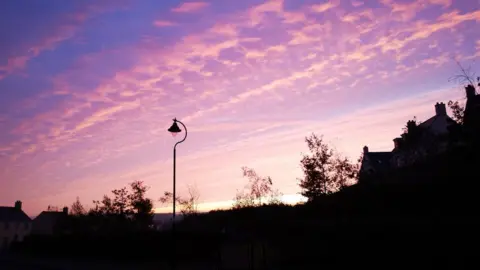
440, 109
411, 125
18, 205
365, 149
470, 91
65, 210
397, 143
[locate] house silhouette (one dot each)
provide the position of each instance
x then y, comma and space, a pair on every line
14, 225
419, 141
50, 222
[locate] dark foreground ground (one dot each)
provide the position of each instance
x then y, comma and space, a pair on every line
16, 262
7, 263
441, 242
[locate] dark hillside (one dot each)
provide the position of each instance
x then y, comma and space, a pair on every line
426, 214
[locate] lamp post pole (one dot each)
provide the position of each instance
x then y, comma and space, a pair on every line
174, 185
174, 129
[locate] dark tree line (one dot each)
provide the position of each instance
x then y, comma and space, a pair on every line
126, 209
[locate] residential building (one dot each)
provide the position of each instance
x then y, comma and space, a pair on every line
471, 120
419, 141
15, 225
50, 222
375, 162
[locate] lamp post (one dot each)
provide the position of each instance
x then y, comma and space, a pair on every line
174, 130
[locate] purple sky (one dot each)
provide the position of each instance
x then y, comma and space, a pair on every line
88, 88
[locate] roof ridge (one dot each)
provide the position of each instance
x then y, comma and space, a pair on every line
9, 213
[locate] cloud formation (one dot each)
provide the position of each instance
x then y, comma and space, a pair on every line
65, 28
249, 79
189, 7
161, 23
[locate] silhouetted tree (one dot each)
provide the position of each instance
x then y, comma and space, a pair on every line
466, 77
324, 170
77, 208
188, 205
243, 199
126, 207
167, 198
140, 206
120, 201
317, 168
345, 172
105, 206
275, 197
458, 111
259, 190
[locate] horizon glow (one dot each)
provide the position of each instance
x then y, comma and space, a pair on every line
88, 89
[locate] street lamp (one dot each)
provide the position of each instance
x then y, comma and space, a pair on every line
174, 130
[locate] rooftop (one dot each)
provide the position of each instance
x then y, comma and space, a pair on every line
13, 214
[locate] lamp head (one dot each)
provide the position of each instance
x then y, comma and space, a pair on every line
174, 129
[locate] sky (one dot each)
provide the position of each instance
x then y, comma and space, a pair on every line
89, 88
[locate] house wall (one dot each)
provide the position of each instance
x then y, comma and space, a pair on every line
366, 166
43, 226
13, 231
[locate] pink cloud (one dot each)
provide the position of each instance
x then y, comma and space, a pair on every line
224, 29
160, 23
356, 3
356, 16
444, 3
320, 8
189, 7
65, 29
48, 43
294, 17
407, 11
258, 12
103, 115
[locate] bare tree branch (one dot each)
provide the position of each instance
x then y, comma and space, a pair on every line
466, 76
257, 189
188, 205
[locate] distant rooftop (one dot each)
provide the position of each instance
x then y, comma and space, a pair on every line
13, 214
